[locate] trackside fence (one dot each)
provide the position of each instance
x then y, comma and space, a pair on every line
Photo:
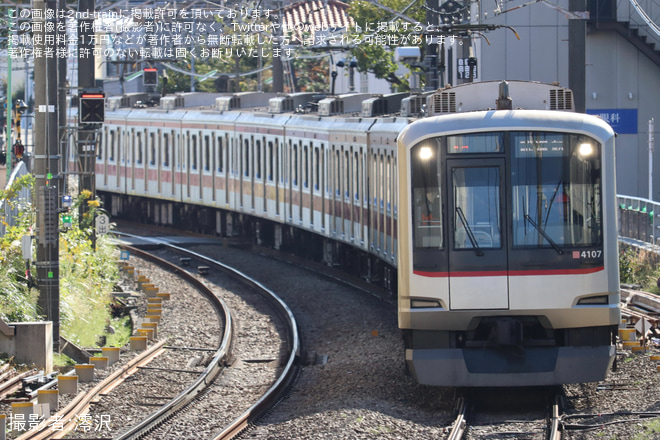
639, 219
9, 211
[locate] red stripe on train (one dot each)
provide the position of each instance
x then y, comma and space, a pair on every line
515, 273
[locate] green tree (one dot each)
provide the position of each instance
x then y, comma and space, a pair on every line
17, 295
380, 32
88, 272
248, 52
311, 74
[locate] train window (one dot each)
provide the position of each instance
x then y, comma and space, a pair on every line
207, 153
220, 155
395, 188
247, 158
166, 150
381, 174
338, 167
139, 148
104, 140
257, 158
426, 190
295, 165
270, 161
152, 143
556, 190
305, 166
476, 193
111, 150
193, 152
278, 164
286, 158
388, 187
476, 143
317, 169
358, 176
348, 175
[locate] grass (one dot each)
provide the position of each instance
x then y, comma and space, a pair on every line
122, 333
651, 430
88, 273
85, 331
61, 361
638, 266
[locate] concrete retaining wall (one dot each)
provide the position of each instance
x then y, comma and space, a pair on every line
31, 343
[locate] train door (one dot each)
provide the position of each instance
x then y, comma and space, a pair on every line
477, 234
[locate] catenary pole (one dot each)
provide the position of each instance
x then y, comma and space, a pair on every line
651, 139
86, 80
46, 166
577, 55
8, 146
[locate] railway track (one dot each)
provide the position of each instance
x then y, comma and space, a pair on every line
199, 391
363, 378
81, 403
203, 387
489, 414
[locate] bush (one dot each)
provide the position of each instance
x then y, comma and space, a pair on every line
88, 273
639, 266
17, 295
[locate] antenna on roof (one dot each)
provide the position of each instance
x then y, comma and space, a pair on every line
504, 101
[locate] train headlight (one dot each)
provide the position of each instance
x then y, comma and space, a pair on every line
425, 153
586, 149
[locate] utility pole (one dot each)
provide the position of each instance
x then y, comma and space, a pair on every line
86, 80
61, 101
46, 168
651, 145
432, 50
577, 55
12, 13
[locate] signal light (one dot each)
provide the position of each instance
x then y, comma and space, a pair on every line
66, 221
91, 108
150, 76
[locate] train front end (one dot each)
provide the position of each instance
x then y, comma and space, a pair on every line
508, 262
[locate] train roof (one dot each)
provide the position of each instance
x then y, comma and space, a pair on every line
487, 95
495, 120
461, 99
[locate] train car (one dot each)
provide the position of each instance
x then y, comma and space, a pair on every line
507, 263
249, 165
497, 228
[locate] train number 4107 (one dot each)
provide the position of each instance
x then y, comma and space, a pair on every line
591, 254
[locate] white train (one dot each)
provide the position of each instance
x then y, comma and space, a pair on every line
501, 224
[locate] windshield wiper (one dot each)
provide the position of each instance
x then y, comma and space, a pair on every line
469, 232
545, 235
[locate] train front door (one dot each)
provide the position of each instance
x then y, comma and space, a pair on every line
477, 234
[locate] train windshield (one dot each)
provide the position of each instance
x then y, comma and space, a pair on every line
552, 193
556, 190
426, 194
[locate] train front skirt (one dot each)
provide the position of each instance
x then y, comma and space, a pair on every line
492, 367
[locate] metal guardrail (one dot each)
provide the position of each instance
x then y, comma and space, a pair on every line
9, 211
639, 219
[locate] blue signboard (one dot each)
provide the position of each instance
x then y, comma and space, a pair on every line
622, 120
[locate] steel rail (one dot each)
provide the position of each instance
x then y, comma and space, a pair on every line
555, 421
79, 404
289, 372
207, 376
460, 424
